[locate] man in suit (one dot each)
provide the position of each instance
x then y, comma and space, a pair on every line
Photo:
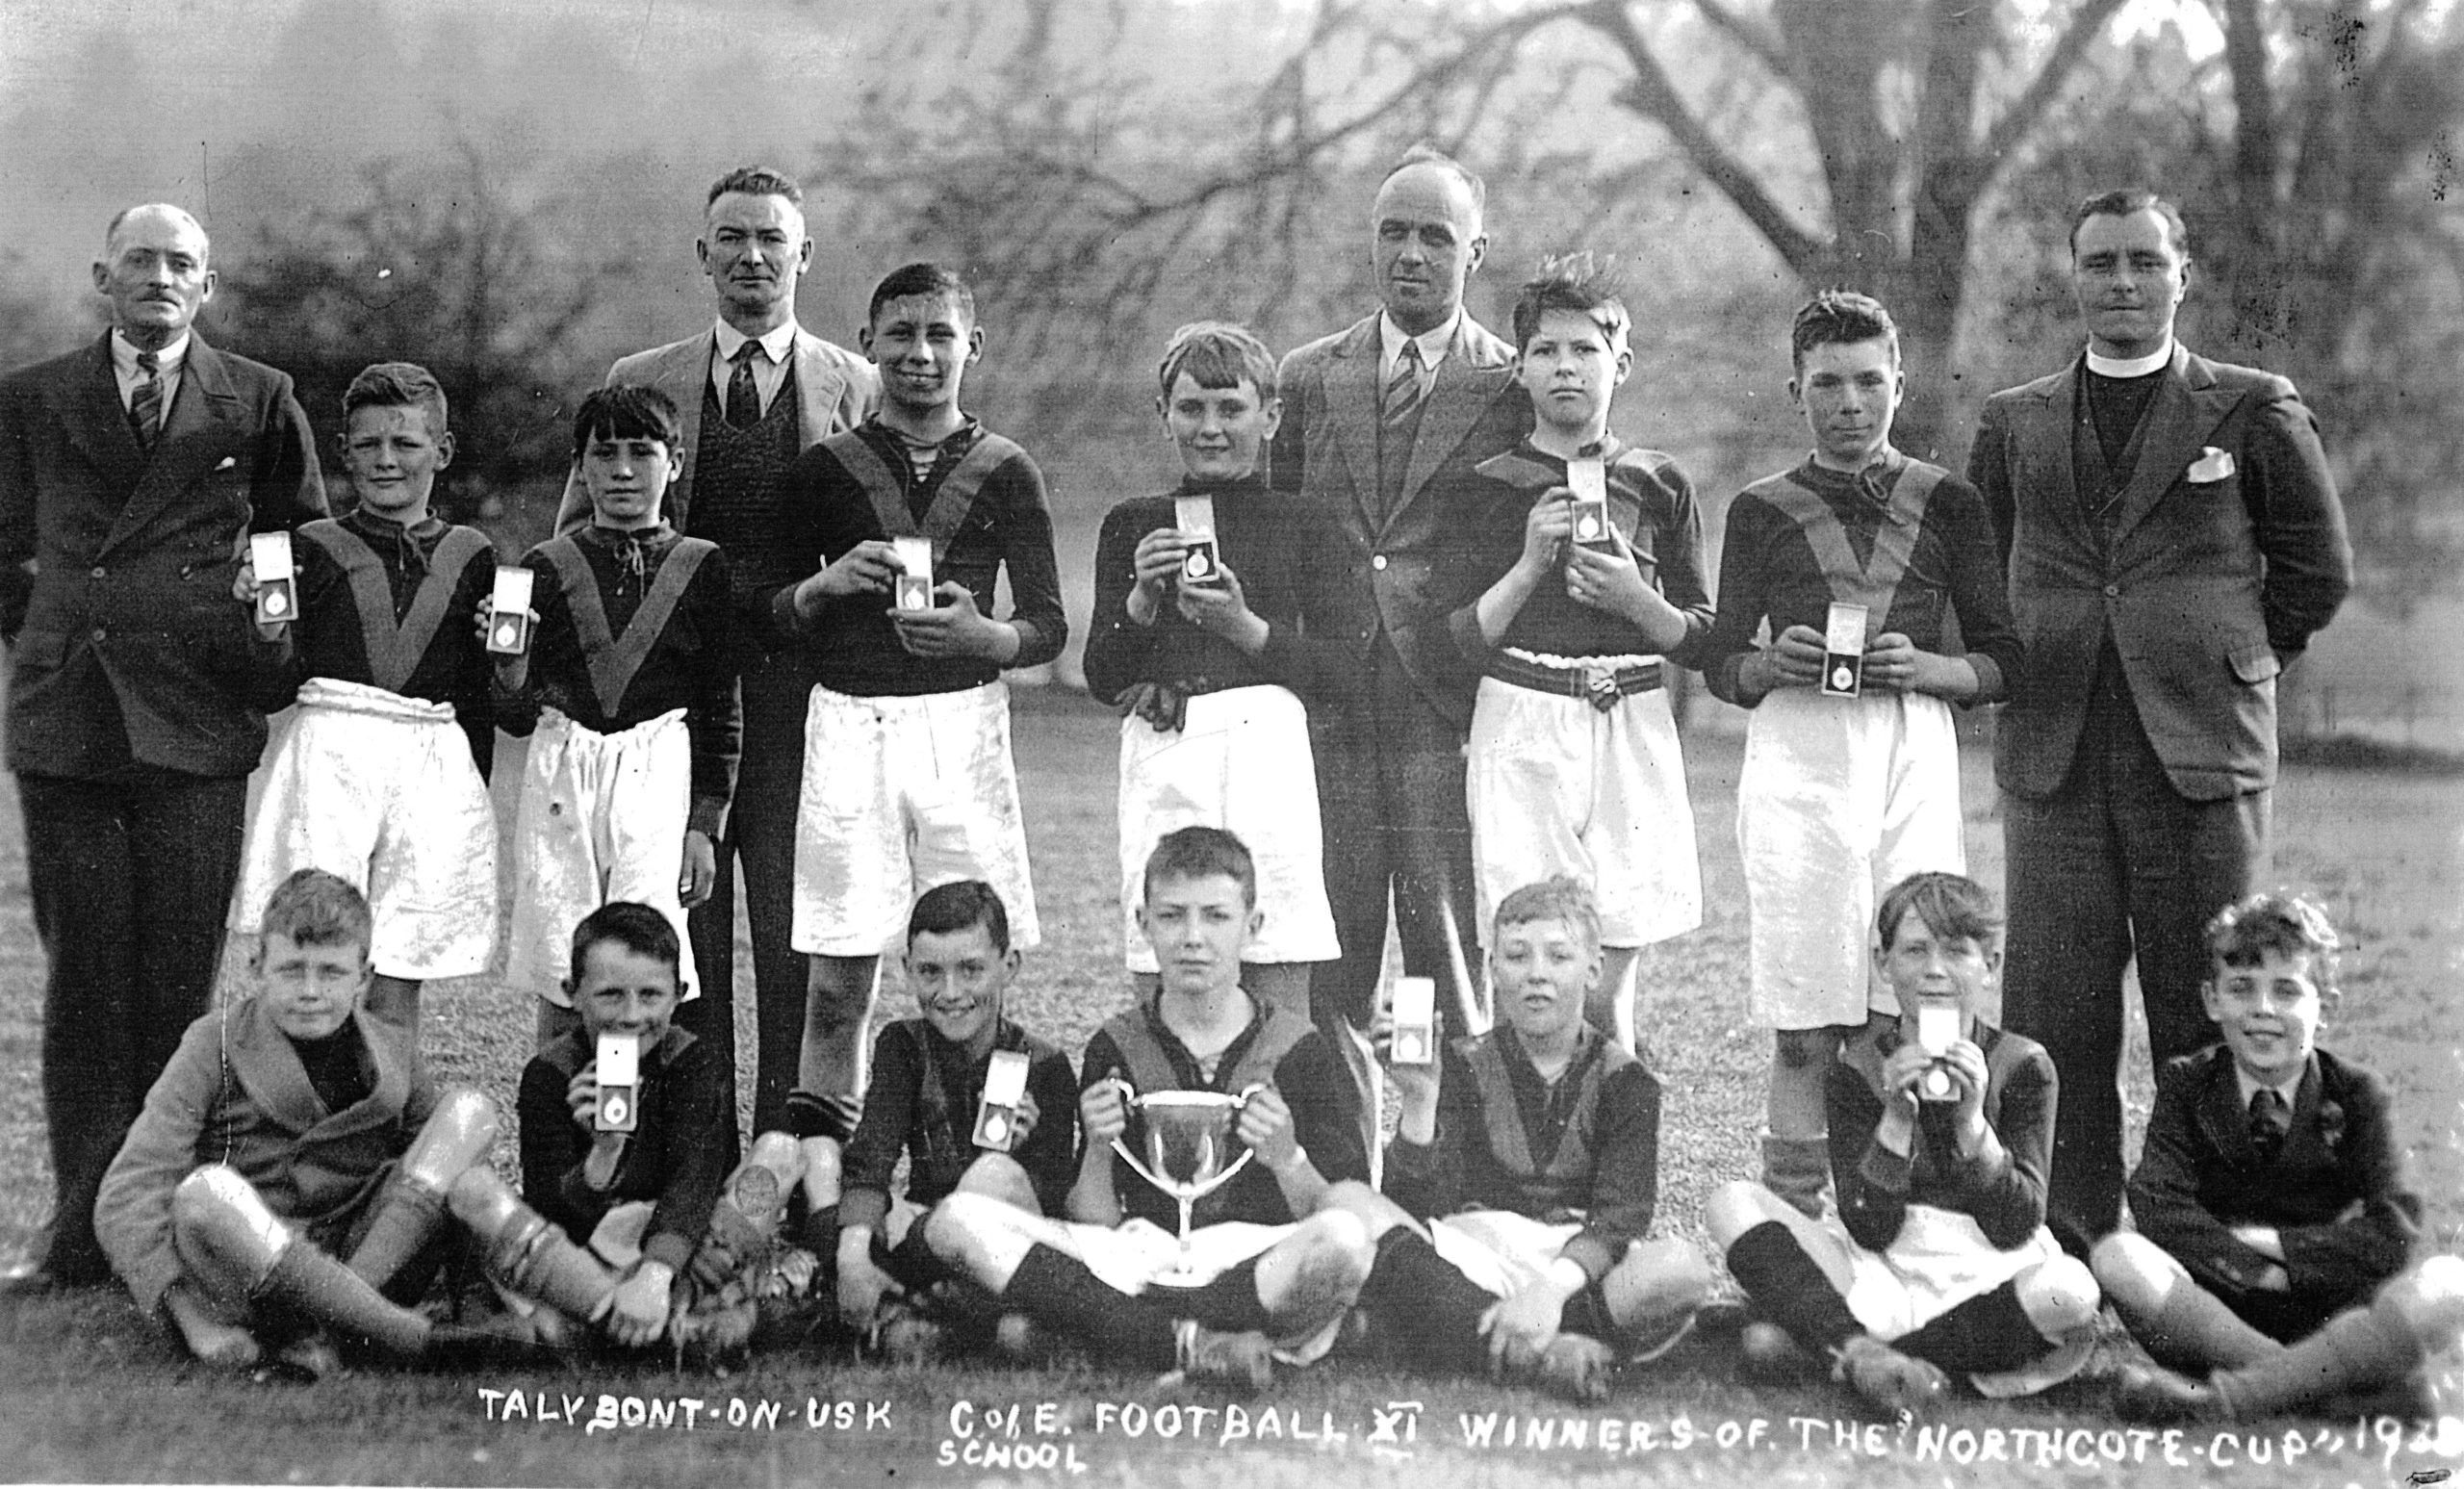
1382, 423
755, 391
2173, 539
131, 471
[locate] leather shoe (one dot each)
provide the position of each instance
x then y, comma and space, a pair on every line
2153, 1395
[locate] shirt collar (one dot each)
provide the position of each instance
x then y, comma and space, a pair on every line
2130, 367
1873, 482
2289, 1088
168, 361
777, 344
368, 525
1434, 341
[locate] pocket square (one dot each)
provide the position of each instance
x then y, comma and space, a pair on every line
2212, 465
228, 461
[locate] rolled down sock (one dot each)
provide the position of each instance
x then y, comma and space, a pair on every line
1791, 1288
1056, 1290
322, 1288
530, 1254
411, 1206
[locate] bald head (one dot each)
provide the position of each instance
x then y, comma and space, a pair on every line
154, 272
1426, 239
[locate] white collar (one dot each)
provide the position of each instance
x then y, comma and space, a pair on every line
1433, 341
2287, 1088
167, 361
2130, 367
777, 343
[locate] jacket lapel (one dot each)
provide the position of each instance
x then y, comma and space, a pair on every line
190, 445
1352, 409
818, 385
1468, 381
2189, 408
2304, 1143
268, 1069
2222, 1113
96, 423
681, 368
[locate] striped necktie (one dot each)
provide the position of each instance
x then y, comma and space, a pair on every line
145, 402
1401, 403
744, 398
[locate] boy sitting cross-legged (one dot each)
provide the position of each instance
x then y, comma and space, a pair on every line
1207, 663
291, 1128
1573, 764
629, 694
1941, 1130
1523, 1178
675, 1242
1263, 1275
379, 778
929, 1075
2276, 1224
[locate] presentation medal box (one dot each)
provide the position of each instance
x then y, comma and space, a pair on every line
997, 1116
1588, 478
1843, 652
1937, 1029
1414, 1021
913, 590
509, 612
277, 589
620, 1082
1201, 560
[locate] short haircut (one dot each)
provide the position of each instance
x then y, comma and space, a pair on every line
626, 411
1563, 898
1839, 317
1427, 154
111, 229
756, 181
921, 278
2274, 920
945, 909
636, 928
1202, 853
2122, 203
1579, 282
396, 385
1952, 907
1217, 354
313, 908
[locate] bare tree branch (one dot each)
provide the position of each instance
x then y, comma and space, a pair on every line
1764, 47
2028, 109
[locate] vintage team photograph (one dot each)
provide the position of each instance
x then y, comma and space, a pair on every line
1232, 742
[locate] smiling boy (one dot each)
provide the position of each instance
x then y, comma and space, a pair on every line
908, 778
1573, 765
1939, 1259
290, 1129
1262, 1277
1209, 667
929, 1076
629, 694
2275, 1216
380, 777
1523, 1178
1841, 796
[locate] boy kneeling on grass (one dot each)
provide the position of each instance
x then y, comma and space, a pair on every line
633, 1226
1262, 1277
1523, 1178
1941, 1132
291, 1128
2276, 1219
931, 1076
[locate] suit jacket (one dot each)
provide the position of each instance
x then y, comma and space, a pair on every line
235, 1093
2226, 552
2336, 1192
835, 390
125, 642
1403, 575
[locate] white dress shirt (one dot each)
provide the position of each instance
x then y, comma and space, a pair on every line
1434, 343
769, 363
167, 365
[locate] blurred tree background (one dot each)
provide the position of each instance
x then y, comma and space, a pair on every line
511, 197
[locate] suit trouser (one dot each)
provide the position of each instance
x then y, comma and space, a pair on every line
1390, 796
130, 878
2115, 864
761, 834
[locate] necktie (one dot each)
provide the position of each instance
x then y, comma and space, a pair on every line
1401, 403
744, 399
146, 404
2269, 1116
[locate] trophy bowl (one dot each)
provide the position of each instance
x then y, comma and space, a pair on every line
1191, 1148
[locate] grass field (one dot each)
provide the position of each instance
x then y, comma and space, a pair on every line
90, 1391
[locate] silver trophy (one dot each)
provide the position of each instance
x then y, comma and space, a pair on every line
1191, 1151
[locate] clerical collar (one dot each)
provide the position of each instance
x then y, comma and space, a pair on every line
2130, 367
